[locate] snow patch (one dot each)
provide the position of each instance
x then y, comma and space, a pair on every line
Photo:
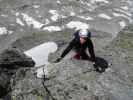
77, 25
2, 15
36, 6
125, 8
55, 15
3, 31
103, 15
121, 15
122, 24
58, 1
124, 12
52, 28
117, 14
17, 13
47, 21
94, 1
86, 18
72, 14
40, 55
54, 18
62, 16
10, 32
19, 22
82, 2
53, 12
31, 21
88, 4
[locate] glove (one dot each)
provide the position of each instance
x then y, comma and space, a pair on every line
57, 60
95, 66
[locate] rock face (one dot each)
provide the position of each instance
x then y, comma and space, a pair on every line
75, 80
11, 60
12, 57
27, 23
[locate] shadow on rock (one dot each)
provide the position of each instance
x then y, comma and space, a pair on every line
3, 91
12, 61
101, 65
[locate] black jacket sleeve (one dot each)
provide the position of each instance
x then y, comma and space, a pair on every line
69, 47
91, 50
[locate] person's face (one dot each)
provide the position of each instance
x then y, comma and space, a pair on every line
83, 40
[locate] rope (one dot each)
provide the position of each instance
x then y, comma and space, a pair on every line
45, 87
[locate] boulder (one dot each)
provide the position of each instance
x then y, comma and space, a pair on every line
12, 57
10, 61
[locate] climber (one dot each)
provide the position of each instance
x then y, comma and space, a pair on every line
80, 43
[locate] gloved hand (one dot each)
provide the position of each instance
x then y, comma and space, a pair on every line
94, 63
57, 60
95, 66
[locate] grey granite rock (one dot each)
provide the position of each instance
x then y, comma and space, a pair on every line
75, 80
10, 61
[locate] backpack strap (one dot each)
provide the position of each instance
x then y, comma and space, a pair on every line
89, 34
76, 35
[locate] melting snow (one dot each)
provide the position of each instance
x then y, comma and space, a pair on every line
3, 30
123, 11
121, 15
72, 14
122, 24
125, 8
17, 13
4, 15
55, 15
19, 22
47, 21
40, 55
118, 15
86, 18
105, 1
36, 6
30, 21
52, 28
54, 18
58, 1
88, 4
53, 12
102, 15
77, 25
